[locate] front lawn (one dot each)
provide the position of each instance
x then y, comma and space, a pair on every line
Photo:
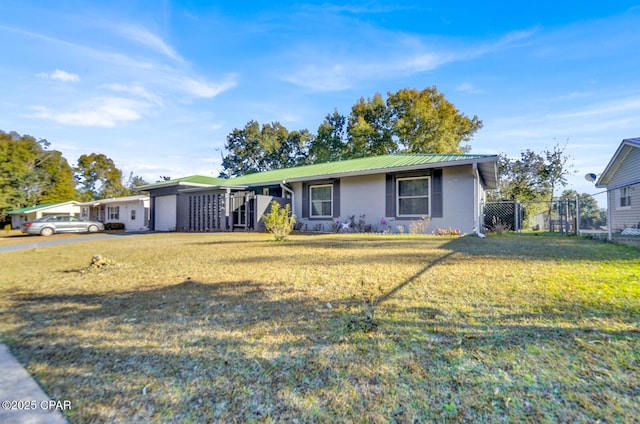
329, 328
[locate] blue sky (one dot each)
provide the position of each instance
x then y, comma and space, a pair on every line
157, 86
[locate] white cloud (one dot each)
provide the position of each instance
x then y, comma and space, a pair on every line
616, 107
422, 62
147, 38
398, 55
136, 90
321, 78
203, 88
60, 76
98, 112
467, 87
64, 76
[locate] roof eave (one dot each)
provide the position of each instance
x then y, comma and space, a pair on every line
214, 187
172, 184
405, 168
36, 208
621, 153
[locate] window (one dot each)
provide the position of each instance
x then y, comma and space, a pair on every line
321, 201
625, 197
113, 212
413, 196
133, 214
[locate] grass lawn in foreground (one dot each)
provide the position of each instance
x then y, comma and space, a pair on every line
330, 328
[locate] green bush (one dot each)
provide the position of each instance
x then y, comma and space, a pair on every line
279, 221
114, 226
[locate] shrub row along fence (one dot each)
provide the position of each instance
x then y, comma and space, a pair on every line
564, 216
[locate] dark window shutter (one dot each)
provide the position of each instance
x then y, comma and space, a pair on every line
390, 206
436, 194
336, 198
305, 200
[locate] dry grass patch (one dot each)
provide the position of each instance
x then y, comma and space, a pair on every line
232, 327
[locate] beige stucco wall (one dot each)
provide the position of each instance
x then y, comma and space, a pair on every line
458, 197
366, 195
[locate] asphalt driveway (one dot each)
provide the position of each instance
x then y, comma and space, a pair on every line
33, 242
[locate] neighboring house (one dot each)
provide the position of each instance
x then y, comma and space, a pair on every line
132, 211
20, 216
390, 191
621, 178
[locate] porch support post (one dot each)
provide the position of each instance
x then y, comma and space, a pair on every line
229, 206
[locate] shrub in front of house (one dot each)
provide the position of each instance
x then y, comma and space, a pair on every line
419, 226
279, 221
114, 226
447, 232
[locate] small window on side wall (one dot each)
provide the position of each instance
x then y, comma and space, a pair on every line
625, 197
133, 214
321, 199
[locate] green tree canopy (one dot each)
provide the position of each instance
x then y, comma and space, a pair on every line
408, 121
256, 148
370, 129
426, 122
135, 181
533, 176
591, 214
330, 144
99, 178
31, 174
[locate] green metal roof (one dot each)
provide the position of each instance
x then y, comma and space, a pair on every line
35, 208
195, 180
361, 166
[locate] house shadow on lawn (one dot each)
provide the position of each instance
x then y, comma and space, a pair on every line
251, 351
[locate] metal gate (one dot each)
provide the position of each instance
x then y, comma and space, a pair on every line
561, 216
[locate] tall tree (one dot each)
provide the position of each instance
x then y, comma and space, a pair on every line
591, 214
370, 129
426, 122
533, 176
330, 144
60, 180
30, 173
520, 179
135, 181
256, 149
556, 168
244, 153
99, 177
408, 121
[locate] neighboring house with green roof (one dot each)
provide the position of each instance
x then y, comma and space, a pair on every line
390, 191
20, 216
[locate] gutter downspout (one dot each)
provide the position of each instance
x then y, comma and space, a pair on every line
476, 198
228, 208
610, 203
284, 187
